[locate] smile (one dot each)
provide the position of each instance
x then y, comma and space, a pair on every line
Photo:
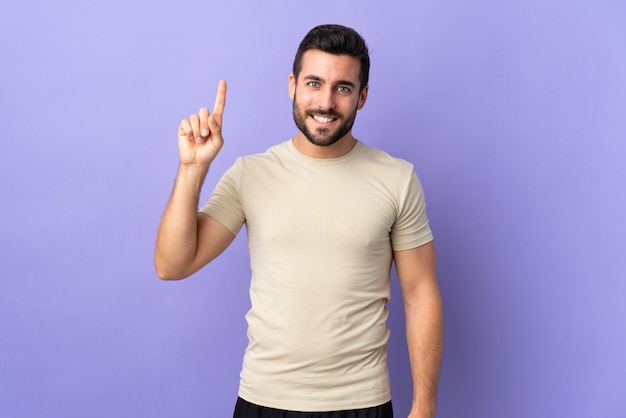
323, 119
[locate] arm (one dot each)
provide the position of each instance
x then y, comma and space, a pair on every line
187, 240
424, 324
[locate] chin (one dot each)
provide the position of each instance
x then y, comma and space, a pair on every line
322, 141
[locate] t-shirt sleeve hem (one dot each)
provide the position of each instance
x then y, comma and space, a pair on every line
232, 225
413, 243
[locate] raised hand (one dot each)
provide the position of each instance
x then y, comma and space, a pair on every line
200, 137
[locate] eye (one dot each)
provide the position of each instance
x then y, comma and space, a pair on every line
313, 84
343, 89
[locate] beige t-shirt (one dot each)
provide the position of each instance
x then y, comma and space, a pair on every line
321, 234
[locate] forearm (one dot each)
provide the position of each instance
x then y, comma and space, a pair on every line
424, 329
177, 237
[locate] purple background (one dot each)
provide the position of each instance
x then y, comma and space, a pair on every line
513, 114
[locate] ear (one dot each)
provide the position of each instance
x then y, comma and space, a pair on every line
362, 97
292, 86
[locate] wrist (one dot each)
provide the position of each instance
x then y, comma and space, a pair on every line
423, 409
190, 177
194, 167
193, 171
421, 414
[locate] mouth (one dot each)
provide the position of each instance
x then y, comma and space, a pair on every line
323, 119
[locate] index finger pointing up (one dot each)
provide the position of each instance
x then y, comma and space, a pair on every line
220, 101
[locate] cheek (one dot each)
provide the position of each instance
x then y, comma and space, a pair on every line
304, 97
304, 102
350, 106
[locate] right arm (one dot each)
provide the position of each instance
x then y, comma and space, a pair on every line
187, 240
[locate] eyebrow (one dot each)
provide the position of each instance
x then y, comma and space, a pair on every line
339, 82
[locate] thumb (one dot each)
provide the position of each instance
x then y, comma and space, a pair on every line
215, 124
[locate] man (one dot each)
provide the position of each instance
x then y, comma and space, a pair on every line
326, 216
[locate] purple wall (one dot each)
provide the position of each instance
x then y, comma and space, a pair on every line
514, 115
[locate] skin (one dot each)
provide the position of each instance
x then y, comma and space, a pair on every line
188, 240
424, 324
327, 86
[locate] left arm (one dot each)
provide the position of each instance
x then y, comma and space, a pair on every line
424, 324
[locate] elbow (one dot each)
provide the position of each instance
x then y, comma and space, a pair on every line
167, 277
166, 274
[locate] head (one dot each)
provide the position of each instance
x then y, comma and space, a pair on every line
329, 83
336, 40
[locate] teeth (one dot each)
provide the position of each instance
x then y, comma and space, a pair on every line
323, 119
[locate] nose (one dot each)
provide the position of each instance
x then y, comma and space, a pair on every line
326, 98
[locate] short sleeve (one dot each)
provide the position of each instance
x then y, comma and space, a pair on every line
225, 204
411, 228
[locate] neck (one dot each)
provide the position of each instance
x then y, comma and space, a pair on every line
338, 149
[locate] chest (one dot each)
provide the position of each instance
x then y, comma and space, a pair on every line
331, 208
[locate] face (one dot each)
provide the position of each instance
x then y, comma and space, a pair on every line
326, 96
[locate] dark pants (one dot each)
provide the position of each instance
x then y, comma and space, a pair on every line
245, 409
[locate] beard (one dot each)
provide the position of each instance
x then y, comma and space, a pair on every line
322, 137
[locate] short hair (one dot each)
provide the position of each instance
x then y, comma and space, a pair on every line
336, 40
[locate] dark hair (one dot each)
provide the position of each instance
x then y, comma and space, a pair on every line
336, 40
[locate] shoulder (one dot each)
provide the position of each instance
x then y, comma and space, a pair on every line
271, 155
253, 167
380, 160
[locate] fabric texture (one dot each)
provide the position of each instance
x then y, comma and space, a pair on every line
321, 235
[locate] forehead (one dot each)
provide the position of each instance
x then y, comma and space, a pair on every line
330, 67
